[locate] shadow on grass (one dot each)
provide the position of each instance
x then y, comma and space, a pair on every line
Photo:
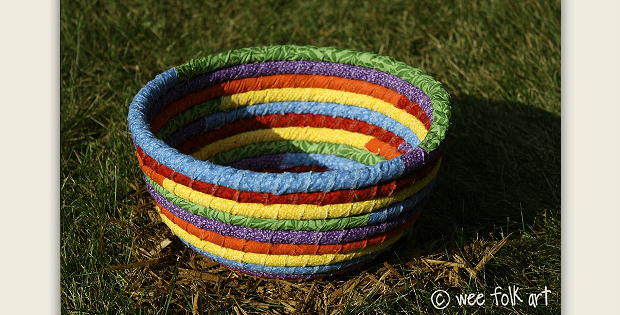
500, 174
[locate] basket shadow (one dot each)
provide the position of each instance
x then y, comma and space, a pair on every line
500, 173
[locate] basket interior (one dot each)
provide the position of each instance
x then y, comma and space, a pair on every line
288, 122
290, 162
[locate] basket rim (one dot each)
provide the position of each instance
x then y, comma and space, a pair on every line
285, 183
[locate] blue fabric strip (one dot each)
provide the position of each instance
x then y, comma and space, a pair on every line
278, 184
396, 209
241, 71
275, 271
219, 119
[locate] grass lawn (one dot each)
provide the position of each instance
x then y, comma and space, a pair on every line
493, 218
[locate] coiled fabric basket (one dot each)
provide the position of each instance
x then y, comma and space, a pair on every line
290, 162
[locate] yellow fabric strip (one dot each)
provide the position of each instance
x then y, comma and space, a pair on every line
312, 134
290, 211
325, 95
273, 260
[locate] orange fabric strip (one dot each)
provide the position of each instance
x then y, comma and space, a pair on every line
289, 81
282, 249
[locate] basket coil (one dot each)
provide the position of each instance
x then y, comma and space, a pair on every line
290, 161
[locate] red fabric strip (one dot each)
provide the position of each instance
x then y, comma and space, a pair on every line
315, 198
250, 246
289, 81
290, 120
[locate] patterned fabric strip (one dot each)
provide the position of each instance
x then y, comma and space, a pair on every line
293, 114
326, 96
292, 169
439, 98
250, 246
158, 172
274, 260
310, 134
290, 160
390, 141
409, 208
272, 68
284, 147
291, 211
287, 272
228, 90
185, 129
223, 223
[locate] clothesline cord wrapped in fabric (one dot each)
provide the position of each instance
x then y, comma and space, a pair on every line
290, 161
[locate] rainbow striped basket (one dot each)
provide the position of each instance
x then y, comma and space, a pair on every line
287, 161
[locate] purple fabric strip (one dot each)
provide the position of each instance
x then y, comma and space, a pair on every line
196, 127
405, 146
417, 156
283, 276
133, 141
389, 81
284, 237
259, 162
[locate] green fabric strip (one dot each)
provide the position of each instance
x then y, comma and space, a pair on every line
191, 114
440, 98
264, 224
294, 146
